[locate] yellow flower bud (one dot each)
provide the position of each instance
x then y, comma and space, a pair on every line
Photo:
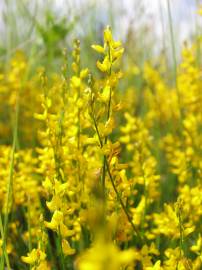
107, 35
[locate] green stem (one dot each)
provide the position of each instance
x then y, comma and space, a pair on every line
163, 32
106, 137
145, 208
61, 250
121, 201
10, 180
114, 186
181, 235
5, 254
105, 142
172, 41
29, 226
198, 53
174, 60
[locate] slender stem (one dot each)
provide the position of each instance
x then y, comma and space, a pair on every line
146, 198
105, 142
114, 186
198, 53
61, 250
97, 131
163, 33
5, 254
172, 41
181, 235
106, 137
174, 59
103, 176
29, 226
121, 201
10, 179
8, 32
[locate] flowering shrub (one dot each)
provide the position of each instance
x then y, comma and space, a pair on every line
97, 176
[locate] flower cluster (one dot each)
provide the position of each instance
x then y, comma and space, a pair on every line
101, 174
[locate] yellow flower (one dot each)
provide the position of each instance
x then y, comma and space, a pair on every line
98, 48
198, 247
102, 255
105, 65
56, 220
34, 256
67, 249
112, 51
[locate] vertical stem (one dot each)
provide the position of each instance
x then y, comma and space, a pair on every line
4, 253
106, 137
181, 235
163, 31
29, 226
61, 250
113, 184
8, 33
10, 180
105, 142
174, 61
172, 41
198, 53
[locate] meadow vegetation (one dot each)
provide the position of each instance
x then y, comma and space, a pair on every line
100, 160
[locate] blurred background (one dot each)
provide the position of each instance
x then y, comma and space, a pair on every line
44, 28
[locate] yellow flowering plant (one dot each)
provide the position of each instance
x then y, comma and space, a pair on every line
101, 174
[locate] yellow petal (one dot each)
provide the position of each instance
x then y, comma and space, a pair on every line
98, 48
66, 248
31, 258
